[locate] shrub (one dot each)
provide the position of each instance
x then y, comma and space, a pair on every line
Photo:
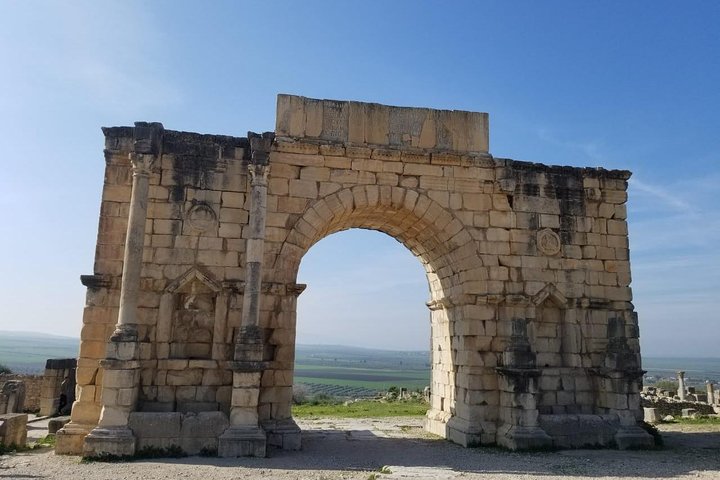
323, 399
668, 385
4, 369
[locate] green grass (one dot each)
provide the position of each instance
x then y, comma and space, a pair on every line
701, 420
362, 409
46, 441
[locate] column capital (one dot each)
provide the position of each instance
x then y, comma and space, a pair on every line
141, 163
258, 174
260, 146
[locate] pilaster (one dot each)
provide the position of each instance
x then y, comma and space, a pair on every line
245, 436
518, 384
618, 386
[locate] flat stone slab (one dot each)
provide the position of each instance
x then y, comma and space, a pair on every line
13, 428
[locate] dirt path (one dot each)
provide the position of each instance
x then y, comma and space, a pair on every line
355, 449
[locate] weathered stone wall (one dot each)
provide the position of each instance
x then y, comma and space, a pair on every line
527, 266
33, 387
193, 246
56, 371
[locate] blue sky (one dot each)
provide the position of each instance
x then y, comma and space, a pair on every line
617, 84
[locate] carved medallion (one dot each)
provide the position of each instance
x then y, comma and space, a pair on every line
201, 217
593, 194
548, 242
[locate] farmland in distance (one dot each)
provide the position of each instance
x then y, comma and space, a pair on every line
343, 371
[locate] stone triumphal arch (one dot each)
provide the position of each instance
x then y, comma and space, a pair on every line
189, 326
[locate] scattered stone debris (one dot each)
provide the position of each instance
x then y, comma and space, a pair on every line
686, 402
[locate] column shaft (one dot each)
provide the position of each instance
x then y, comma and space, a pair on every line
134, 243
255, 245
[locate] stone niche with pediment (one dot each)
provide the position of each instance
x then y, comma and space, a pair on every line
193, 344
558, 342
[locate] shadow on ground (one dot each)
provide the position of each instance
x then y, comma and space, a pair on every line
363, 450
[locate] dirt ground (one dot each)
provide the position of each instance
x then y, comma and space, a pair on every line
359, 448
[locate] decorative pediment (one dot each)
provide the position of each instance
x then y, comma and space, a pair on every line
550, 293
195, 280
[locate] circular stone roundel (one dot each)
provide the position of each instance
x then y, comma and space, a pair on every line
201, 217
548, 242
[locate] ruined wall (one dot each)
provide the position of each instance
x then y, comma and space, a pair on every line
527, 267
33, 387
56, 371
190, 278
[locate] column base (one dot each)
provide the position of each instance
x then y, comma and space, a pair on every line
243, 441
436, 422
116, 441
460, 431
69, 440
523, 438
633, 437
283, 434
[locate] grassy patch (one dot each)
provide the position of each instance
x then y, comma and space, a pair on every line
362, 409
699, 420
46, 441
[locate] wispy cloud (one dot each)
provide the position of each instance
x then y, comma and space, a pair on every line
664, 194
592, 150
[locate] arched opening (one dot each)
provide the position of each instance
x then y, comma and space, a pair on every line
363, 323
452, 268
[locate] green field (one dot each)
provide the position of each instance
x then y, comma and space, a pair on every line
359, 371
339, 371
362, 409
372, 378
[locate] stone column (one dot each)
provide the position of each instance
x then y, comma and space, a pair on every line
245, 436
681, 385
126, 327
121, 376
710, 392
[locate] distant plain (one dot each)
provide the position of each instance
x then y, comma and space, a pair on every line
334, 369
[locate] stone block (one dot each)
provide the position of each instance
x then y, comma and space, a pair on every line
13, 429
204, 425
155, 424
184, 377
238, 441
689, 412
580, 431
57, 423
197, 407
651, 415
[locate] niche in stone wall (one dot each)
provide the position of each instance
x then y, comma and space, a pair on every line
192, 318
556, 338
547, 330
